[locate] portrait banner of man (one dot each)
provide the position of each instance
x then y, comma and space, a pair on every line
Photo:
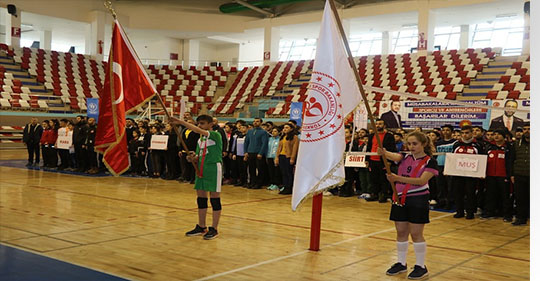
509, 118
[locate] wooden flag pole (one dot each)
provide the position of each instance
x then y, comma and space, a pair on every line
364, 96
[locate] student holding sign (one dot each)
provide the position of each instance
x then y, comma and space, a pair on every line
465, 187
208, 157
414, 172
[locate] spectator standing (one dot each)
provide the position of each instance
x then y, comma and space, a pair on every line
521, 176
444, 184
287, 152
498, 172
255, 148
31, 136
273, 169
465, 187
63, 153
381, 186
79, 137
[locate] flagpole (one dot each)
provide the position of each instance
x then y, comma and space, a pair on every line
364, 96
316, 216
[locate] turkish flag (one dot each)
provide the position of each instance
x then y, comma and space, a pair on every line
127, 87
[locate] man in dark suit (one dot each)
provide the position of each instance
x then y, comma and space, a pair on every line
31, 136
507, 120
381, 186
391, 118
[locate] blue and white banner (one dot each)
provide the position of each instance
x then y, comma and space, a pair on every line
296, 112
433, 114
92, 108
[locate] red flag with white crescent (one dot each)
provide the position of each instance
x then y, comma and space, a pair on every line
126, 87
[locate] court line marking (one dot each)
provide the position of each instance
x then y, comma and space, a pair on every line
302, 252
479, 255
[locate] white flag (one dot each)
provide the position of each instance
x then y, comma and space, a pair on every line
332, 94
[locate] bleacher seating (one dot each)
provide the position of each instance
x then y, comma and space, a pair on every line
441, 74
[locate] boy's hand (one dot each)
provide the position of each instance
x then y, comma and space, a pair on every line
513, 179
234, 157
259, 156
381, 151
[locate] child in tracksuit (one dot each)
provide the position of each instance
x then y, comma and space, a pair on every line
498, 174
465, 187
273, 170
240, 167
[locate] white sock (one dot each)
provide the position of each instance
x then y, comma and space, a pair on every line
402, 248
420, 252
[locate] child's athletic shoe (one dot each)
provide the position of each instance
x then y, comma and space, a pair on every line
196, 231
211, 234
459, 215
469, 216
396, 269
507, 219
519, 222
418, 273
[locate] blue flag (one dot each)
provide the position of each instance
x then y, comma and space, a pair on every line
92, 108
296, 112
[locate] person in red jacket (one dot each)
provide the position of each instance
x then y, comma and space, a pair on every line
465, 187
498, 174
44, 141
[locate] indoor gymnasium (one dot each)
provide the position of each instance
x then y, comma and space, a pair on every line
266, 140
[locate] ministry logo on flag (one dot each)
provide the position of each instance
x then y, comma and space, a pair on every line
321, 118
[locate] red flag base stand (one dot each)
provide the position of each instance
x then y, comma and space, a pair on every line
316, 211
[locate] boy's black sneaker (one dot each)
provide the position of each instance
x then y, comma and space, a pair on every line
469, 216
211, 234
519, 222
396, 269
196, 231
418, 273
486, 216
507, 219
459, 215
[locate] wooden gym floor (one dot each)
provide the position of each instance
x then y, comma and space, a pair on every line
134, 228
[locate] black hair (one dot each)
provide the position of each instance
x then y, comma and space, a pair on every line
64, 120
466, 127
294, 122
399, 134
291, 134
206, 118
270, 123
258, 118
448, 126
437, 134
478, 127
527, 124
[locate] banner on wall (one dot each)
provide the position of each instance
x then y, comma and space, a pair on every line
361, 117
296, 112
509, 119
92, 108
433, 114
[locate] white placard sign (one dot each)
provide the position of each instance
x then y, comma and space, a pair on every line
159, 142
64, 142
465, 165
355, 159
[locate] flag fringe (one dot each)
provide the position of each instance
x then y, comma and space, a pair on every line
329, 175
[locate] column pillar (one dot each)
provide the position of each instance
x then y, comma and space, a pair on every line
386, 43
426, 27
12, 25
97, 35
45, 39
464, 37
271, 44
191, 52
526, 29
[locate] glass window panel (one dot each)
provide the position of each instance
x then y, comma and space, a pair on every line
453, 42
442, 30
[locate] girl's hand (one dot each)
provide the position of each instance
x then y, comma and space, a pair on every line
276, 162
392, 177
234, 157
292, 162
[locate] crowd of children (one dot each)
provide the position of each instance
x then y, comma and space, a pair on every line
260, 154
